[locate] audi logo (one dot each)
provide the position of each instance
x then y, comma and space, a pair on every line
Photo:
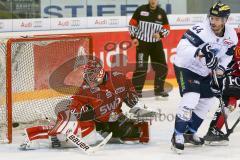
113, 21
75, 23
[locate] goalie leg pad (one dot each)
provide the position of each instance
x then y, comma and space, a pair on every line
37, 132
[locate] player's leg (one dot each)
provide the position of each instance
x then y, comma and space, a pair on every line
66, 122
189, 86
159, 65
32, 134
198, 115
139, 76
200, 112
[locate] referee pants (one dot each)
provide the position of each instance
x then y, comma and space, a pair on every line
158, 63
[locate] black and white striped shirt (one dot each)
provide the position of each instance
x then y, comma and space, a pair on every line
145, 23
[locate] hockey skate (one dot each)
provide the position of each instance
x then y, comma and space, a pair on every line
215, 137
190, 138
177, 143
28, 145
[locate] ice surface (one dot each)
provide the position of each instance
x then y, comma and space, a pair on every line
158, 148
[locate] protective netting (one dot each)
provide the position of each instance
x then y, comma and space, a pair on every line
44, 73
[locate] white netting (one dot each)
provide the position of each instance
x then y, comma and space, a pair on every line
33, 63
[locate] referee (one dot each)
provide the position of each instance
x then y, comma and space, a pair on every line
147, 27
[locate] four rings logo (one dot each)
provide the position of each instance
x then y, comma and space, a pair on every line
75, 23
113, 21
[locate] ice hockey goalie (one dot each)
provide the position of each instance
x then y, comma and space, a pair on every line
96, 110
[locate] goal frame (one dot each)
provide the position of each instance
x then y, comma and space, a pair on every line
8, 73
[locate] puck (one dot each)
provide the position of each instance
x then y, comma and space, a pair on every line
15, 125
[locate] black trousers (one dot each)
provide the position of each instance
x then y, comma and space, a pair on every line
158, 63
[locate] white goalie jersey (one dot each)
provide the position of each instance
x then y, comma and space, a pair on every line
193, 40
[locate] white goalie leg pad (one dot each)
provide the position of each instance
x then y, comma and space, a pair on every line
187, 105
93, 138
204, 106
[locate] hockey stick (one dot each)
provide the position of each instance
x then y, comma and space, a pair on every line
221, 102
230, 131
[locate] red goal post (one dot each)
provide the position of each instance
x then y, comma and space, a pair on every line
26, 66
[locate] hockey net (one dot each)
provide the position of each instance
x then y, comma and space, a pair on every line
38, 74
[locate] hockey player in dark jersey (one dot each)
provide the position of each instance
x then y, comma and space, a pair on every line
96, 109
230, 95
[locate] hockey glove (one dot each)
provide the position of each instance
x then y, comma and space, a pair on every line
141, 110
211, 59
231, 50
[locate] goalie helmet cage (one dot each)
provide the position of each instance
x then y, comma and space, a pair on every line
27, 67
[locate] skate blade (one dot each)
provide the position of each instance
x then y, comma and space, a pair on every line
178, 151
192, 145
216, 143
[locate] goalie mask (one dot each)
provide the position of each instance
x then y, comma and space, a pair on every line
93, 73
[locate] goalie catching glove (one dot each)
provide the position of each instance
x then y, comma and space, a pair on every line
137, 107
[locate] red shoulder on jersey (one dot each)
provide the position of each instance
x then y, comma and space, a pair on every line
236, 57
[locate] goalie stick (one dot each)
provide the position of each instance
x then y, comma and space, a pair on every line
78, 142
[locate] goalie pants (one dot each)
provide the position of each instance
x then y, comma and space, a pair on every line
158, 62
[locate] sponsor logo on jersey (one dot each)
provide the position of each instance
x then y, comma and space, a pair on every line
144, 13
110, 106
119, 90
228, 42
108, 94
115, 73
234, 81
